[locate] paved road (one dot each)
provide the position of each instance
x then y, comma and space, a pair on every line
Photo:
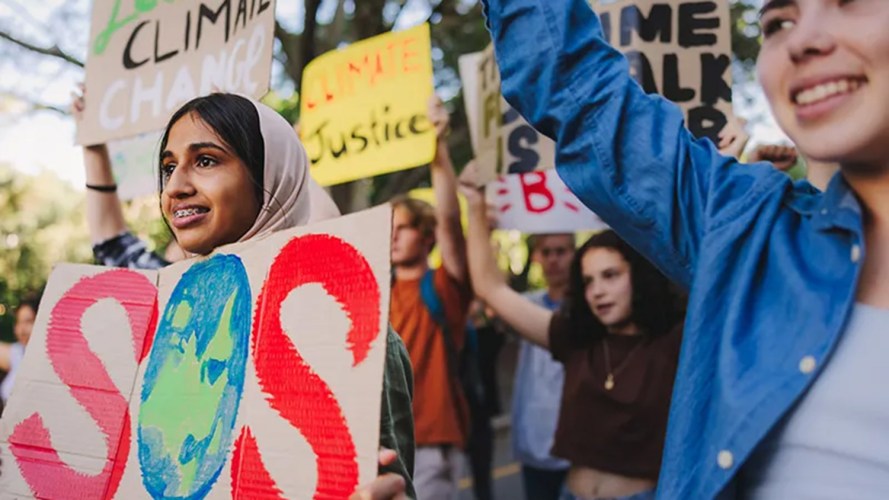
507, 478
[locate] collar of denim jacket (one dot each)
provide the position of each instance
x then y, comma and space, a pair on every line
839, 207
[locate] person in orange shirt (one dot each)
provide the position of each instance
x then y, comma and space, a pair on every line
432, 340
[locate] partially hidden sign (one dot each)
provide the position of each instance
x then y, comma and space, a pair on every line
363, 108
147, 58
680, 49
503, 142
134, 162
539, 202
255, 372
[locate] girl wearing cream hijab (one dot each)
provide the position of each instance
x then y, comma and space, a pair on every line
232, 169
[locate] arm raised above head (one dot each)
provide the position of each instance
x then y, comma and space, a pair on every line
627, 155
448, 229
528, 319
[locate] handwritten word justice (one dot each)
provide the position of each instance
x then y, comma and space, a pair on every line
376, 131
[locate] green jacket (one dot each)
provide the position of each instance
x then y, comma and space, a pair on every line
396, 410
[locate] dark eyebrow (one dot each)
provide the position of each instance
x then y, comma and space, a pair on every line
775, 4
196, 146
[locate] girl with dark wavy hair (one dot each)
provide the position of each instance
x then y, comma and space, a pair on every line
617, 335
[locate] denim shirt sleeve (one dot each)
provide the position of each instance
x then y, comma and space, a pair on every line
627, 155
396, 412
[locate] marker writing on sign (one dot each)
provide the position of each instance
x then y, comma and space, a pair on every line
377, 131
118, 20
692, 26
89, 382
205, 18
375, 67
127, 100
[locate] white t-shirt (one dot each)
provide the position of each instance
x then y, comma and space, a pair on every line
835, 443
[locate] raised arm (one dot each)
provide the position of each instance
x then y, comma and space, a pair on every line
625, 154
448, 232
104, 215
528, 319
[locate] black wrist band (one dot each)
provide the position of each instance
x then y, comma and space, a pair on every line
111, 188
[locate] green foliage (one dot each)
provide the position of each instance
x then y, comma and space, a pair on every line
41, 224
745, 32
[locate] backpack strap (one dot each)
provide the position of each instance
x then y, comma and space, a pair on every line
436, 309
431, 300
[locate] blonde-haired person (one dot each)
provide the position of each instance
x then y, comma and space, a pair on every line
434, 337
785, 338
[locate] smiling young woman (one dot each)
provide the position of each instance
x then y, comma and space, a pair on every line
232, 169
617, 336
789, 286
209, 195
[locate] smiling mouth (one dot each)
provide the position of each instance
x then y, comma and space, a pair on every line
188, 212
823, 91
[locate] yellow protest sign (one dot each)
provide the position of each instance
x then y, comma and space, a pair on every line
363, 108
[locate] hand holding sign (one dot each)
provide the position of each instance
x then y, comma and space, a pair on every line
385, 487
439, 117
469, 185
782, 156
229, 393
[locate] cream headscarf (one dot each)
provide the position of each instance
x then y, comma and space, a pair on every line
291, 197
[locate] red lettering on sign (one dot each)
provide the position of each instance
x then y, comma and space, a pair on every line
538, 198
250, 479
298, 394
88, 380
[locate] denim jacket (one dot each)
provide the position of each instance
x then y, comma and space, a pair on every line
771, 266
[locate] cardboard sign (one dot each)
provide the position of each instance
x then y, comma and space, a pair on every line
503, 142
145, 59
135, 163
539, 202
363, 108
255, 372
680, 49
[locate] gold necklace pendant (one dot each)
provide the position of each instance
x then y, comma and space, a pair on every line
609, 382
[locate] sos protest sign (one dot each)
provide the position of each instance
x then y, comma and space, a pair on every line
147, 58
539, 202
255, 372
363, 107
680, 49
503, 142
